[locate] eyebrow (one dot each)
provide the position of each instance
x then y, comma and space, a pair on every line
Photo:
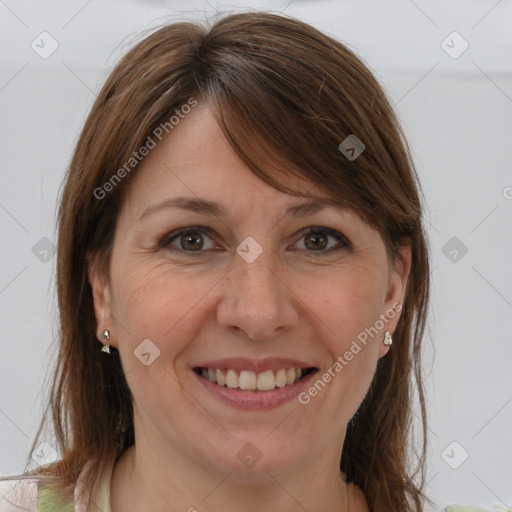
207, 207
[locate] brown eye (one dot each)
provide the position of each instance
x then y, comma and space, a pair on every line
318, 240
190, 240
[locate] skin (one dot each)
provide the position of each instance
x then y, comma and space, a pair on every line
289, 303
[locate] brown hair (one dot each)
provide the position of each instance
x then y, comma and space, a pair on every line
285, 95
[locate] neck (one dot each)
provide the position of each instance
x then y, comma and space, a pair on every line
143, 479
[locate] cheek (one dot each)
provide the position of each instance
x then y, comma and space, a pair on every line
348, 304
157, 303
348, 310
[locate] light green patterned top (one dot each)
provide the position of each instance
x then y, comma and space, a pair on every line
49, 499
470, 508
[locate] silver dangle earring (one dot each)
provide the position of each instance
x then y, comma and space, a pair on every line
388, 340
106, 336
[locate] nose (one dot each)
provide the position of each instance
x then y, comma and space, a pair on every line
257, 300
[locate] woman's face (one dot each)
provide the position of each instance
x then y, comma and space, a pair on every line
248, 294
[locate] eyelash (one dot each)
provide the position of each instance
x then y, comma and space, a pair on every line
169, 238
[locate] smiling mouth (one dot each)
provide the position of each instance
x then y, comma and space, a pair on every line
252, 381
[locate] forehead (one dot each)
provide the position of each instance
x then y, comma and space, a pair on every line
195, 159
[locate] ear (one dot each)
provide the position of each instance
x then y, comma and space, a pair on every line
397, 286
102, 300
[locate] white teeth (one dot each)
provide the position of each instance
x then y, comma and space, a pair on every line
232, 379
280, 378
251, 381
290, 376
266, 381
220, 377
247, 380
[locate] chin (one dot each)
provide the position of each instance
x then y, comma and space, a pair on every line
251, 458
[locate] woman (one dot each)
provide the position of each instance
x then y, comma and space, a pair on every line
241, 228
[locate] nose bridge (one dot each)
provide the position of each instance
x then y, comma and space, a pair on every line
257, 280
255, 299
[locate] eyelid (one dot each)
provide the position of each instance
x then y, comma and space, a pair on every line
342, 239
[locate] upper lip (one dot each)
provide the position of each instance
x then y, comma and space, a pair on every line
257, 366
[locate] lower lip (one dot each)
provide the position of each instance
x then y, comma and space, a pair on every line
256, 400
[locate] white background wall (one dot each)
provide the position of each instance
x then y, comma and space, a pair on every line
457, 113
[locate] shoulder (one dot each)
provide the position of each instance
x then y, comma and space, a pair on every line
17, 495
